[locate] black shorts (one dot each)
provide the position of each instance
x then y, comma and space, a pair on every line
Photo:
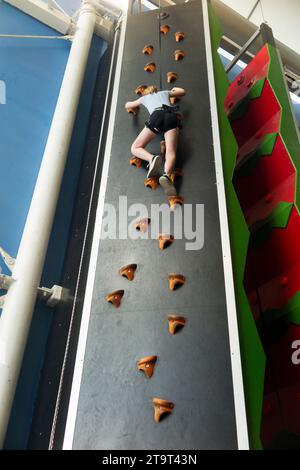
162, 121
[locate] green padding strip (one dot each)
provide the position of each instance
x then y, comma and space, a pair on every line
278, 218
249, 162
241, 108
288, 125
252, 353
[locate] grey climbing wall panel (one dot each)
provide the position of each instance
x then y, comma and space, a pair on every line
193, 370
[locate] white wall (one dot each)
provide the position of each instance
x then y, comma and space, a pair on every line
283, 16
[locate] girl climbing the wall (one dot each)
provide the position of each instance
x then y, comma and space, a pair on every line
163, 119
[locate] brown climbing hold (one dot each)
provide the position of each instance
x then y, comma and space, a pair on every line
147, 365
177, 173
175, 200
179, 36
128, 271
135, 161
165, 241
161, 407
174, 100
147, 49
175, 322
162, 147
150, 67
179, 55
133, 111
165, 28
172, 77
115, 298
142, 225
176, 281
151, 182
140, 89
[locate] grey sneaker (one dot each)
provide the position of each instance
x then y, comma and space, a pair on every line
154, 166
167, 185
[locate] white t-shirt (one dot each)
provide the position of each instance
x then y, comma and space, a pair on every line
156, 100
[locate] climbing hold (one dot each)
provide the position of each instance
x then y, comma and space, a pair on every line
175, 200
115, 298
133, 111
177, 173
135, 161
161, 407
165, 241
173, 100
179, 55
163, 15
140, 89
151, 182
175, 323
172, 77
150, 67
164, 29
162, 147
176, 281
128, 271
142, 225
240, 80
179, 36
147, 49
147, 365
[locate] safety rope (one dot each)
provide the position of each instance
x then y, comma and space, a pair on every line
28, 36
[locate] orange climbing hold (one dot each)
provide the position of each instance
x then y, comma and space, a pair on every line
175, 322
115, 298
179, 36
146, 365
142, 225
165, 241
140, 89
133, 111
172, 77
176, 281
164, 29
161, 407
150, 67
175, 201
135, 161
148, 49
177, 173
128, 271
179, 55
151, 182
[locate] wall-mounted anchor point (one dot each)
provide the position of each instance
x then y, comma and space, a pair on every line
176, 281
128, 271
175, 323
115, 298
161, 407
147, 364
165, 241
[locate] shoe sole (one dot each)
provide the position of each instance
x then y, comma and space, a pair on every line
168, 187
154, 171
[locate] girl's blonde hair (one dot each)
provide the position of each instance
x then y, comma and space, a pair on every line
149, 90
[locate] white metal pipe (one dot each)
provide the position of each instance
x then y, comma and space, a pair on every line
20, 301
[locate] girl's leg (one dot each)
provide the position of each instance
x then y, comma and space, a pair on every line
171, 138
138, 146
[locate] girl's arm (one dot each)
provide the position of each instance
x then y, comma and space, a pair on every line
133, 104
177, 92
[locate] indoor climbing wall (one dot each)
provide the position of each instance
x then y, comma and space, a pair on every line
265, 179
158, 340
